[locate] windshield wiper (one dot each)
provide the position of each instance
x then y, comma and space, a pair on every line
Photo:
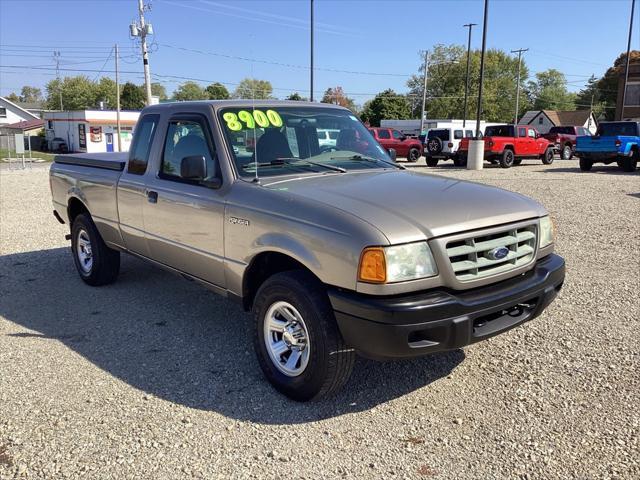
365, 158
294, 161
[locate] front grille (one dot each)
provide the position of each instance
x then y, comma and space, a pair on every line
470, 258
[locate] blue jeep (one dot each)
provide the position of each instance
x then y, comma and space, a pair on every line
613, 142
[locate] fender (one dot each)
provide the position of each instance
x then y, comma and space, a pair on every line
287, 245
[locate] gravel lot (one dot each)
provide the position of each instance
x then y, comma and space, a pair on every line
155, 377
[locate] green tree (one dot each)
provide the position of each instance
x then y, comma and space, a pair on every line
549, 91
13, 97
296, 97
189, 91
30, 94
446, 84
78, 93
217, 91
253, 88
589, 98
105, 91
132, 97
158, 90
337, 96
386, 105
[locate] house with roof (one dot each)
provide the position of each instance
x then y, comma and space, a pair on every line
543, 120
12, 113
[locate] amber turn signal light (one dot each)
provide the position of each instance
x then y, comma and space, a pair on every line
373, 268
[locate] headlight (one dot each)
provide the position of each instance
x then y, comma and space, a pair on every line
397, 263
546, 231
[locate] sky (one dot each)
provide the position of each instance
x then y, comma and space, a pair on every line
365, 46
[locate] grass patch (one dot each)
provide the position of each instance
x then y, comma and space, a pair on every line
48, 157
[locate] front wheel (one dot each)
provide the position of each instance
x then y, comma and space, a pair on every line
96, 263
547, 157
296, 338
413, 155
507, 159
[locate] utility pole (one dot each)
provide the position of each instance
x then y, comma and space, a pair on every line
118, 102
484, 49
519, 52
56, 58
626, 68
466, 85
311, 70
142, 30
424, 90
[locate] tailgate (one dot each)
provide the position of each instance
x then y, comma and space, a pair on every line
596, 144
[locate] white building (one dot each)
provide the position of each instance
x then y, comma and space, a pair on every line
543, 120
11, 113
91, 130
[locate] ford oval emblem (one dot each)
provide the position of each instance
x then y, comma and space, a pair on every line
498, 253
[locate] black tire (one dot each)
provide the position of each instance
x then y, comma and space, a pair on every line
629, 164
434, 146
104, 263
585, 164
547, 156
566, 153
330, 360
517, 161
432, 162
460, 160
413, 155
507, 158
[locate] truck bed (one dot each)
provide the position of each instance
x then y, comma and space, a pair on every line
108, 161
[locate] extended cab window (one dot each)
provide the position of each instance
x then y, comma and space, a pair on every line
139, 152
187, 138
384, 134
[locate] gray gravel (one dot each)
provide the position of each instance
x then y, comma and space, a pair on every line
154, 377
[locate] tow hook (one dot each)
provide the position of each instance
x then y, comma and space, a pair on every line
519, 309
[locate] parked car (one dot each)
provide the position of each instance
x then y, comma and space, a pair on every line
389, 138
563, 139
613, 142
334, 252
508, 145
443, 144
327, 138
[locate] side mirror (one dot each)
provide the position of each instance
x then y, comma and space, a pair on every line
193, 167
392, 153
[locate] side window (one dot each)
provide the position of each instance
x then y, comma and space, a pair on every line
384, 134
522, 132
396, 134
186, 138
457, 134
468, 133
532, 133
142, 139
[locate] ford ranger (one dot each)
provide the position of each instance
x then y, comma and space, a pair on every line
613, 142
508, 145
335, 252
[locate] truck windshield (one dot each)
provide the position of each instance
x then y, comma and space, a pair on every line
275, 140
614, 129
499, 131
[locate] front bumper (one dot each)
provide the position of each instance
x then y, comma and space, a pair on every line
435, 320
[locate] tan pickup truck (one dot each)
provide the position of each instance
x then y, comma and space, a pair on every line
337, 251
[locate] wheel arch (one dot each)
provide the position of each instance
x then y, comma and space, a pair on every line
75, 207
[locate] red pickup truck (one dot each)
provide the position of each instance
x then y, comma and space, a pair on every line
508, 145
408, 147
564, 139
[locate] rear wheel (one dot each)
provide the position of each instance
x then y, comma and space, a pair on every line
296, 338
629, 164
96, 263
566, 153
460, 160
413, 155
507, 159
547, 157
432, 162
585, 164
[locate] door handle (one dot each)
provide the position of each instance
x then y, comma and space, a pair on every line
152, 197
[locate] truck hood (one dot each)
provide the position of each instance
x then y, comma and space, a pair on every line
407, 206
